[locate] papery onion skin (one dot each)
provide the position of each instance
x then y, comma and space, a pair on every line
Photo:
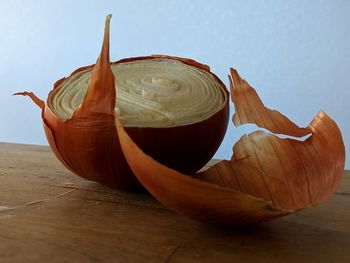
88, 144
267, 176
197, 199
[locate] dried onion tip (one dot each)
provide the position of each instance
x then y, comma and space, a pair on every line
174, 108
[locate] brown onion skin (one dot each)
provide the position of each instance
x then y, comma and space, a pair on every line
186, 148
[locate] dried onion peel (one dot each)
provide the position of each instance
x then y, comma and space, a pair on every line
86, 141
267, 177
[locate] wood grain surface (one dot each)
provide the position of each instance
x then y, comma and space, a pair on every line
49, 215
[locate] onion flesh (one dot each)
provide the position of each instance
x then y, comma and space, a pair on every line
155, 92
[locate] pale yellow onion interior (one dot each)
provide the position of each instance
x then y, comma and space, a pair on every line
150, 93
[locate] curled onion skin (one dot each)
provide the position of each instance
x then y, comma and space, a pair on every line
267, 176
88, 145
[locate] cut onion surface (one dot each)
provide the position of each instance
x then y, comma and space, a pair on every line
154, 92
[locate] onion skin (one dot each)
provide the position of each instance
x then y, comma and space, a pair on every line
267, 176
88, 145
197, 199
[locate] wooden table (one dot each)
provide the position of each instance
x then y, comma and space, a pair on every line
49, 215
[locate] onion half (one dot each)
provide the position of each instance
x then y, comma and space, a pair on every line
267, 176
87, 141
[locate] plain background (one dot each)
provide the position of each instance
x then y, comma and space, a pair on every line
295, 53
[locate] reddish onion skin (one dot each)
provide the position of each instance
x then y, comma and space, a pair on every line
88, 143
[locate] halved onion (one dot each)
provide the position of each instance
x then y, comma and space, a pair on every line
174, 108
267, 176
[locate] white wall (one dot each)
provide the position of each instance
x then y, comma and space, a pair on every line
295, 53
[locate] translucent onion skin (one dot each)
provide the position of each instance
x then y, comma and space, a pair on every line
88, 145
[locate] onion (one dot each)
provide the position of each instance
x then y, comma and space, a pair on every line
174, 108
147, 144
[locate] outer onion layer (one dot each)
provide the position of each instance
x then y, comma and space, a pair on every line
267, 177
87, 143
